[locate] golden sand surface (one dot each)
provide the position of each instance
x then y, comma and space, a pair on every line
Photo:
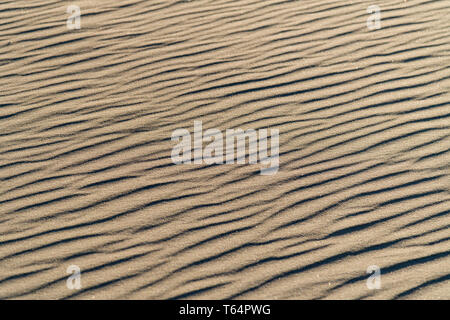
87, 178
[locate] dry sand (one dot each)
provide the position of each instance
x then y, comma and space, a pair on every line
87, 178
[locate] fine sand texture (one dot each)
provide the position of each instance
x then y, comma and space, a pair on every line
87, 178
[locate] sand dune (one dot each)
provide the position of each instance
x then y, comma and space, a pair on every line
87, 178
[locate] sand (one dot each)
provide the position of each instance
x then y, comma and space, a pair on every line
87, 179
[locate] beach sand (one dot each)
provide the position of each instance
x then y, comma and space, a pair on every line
87, 178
